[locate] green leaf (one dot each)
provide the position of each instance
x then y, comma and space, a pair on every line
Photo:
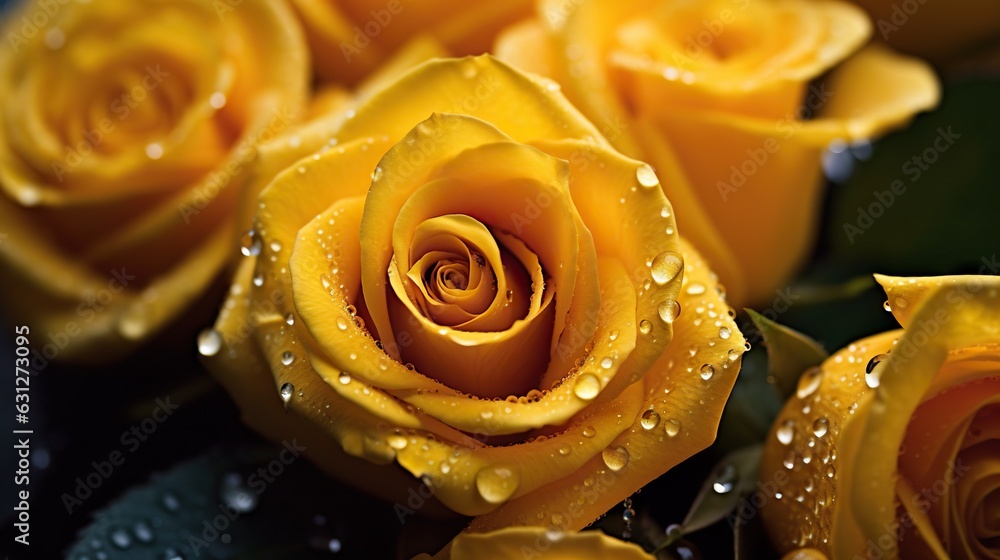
789, 352
734, 476
247, 503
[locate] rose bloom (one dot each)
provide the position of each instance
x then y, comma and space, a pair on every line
124, 132
471, 312
519, 543
719, 97
349, 39
890, 446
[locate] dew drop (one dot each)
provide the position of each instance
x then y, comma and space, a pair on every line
497, 483
209, 342
707, 371
607, 362
121, 539
286, 392
874, 369
587, 387
217, 100
821, 426
565, 450
234, 494
250, 244
789, 460
287, 358
589, 432
649, 420
344, 378
672, 427
646, 176
143, 532
258, 280
377, 174
666, 266
613, 335
724, 333
725, 480
809, 382
275, 246
669, 311
886, 306
695, 289
785, 432
154, 150
615, 457
645, 327
290, 319
342, 323
170, 502
901, 302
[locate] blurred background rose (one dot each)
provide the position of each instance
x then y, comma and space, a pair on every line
720, 97
351, 38
125, 134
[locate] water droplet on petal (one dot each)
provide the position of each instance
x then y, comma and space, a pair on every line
209, 342
286, 392
287, 358
649, 419
666, 266
615, 457
344, 378
695, 289
707, 371
607, 362
809, 382
785, 432
587, 386
143, 532
821, 426
645, 326
589, 431
874, 369
724, 333
672, 427
497, 483
290, 319
341, 323
669, 311
646, 176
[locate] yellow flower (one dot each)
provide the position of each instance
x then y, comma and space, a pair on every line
891, 445
470, 283
717, 96
124, 132
518, 543
349, 39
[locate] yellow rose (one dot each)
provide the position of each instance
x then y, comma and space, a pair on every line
891, 446
448, 288
124, 131
349, 39
716, 95
518, 543
940, 31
